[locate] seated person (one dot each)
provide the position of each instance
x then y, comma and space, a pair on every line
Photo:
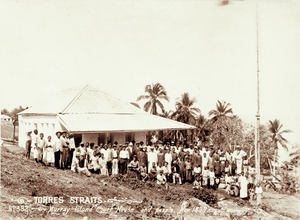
94, 166
197, 183
175, 173
77, 168
153, 172
167, 172
161, 179
142, 172
133, 167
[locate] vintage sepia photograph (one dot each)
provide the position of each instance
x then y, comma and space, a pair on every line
150, 109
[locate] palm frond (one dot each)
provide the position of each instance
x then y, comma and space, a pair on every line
147, 106
160, 105
142, 97
135, 104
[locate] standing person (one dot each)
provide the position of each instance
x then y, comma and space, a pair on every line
181, 165
243, 186
103, 165
188, 168
109, 159
181, 154
204, 161
41, 148
168, 158
48, 153
152, 158
175, 172
115, 170
58, 147
160, 158
212, 178
174, 154
124, 157
65, 152
238, 155
34, 143
142, 157
28, 144
72, 149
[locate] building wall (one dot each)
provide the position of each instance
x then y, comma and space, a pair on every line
119, 137
48, 125
140, 136
90, 137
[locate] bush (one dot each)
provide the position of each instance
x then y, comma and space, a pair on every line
205, 196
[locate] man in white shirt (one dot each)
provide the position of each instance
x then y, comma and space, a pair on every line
72, 149
152, 158
58, 147
124, 157
168, 158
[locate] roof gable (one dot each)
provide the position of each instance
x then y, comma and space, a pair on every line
81, 100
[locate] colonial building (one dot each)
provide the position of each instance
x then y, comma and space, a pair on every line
92, 116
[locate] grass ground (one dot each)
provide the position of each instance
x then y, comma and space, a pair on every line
23, 181
7, 130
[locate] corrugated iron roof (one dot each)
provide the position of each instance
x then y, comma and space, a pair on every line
119, 123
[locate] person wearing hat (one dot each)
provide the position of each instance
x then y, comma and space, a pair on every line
65, 150
161, 179
77, 168
58, 148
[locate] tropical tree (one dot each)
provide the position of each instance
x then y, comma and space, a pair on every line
222, 111
203, 130
155, 93
185, 112
276, 131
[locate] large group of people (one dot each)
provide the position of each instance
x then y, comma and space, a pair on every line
165, 163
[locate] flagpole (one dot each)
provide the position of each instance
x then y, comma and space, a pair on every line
257, 146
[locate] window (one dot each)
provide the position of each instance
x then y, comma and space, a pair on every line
129, 136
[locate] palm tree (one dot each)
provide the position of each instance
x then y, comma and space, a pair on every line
222, 111
155, 92
202, 125
276, 131
184, 111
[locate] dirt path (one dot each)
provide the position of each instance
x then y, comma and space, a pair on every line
22, 182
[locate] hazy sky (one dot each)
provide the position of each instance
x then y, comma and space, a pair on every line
198, 47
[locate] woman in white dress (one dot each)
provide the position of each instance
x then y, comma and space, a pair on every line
48, 155
243, 186
103, 165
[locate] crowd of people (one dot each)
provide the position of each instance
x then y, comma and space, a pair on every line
165, 163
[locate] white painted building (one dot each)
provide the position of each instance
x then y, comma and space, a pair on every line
6, 118
92, 116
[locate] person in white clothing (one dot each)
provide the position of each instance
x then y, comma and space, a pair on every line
34, 144
152, 158
168, 158
77, 168
243, 186
258, 192
72, 149
48, 155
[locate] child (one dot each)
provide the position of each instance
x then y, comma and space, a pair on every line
48, 152
188, 168
94, 167
245, 165
115, 165
212, 178
205, 177
222, 164
197, 184
258, 191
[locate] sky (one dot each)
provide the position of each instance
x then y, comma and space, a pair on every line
199, 47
